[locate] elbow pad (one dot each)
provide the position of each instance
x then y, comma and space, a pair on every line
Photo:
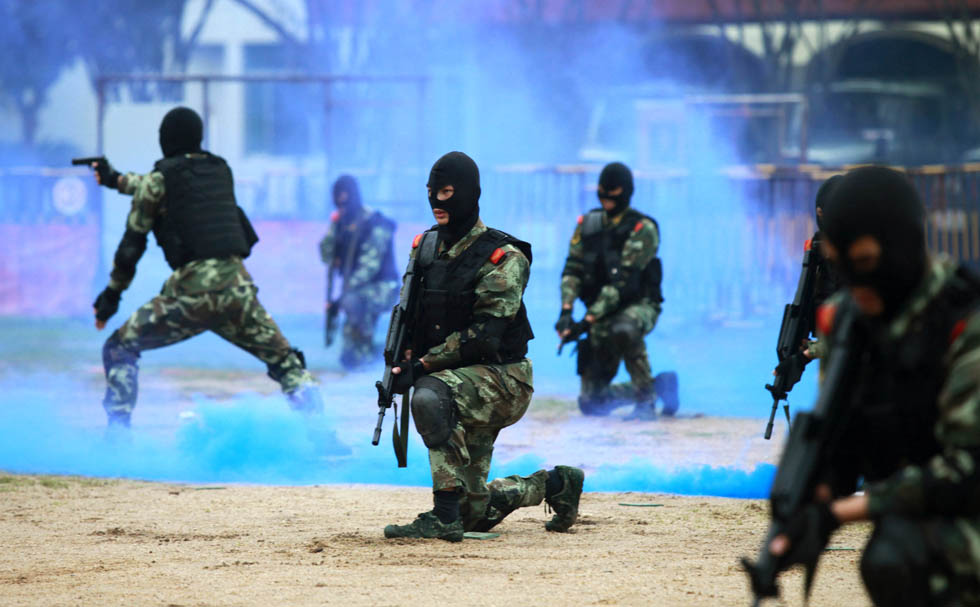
129, 251
480, 342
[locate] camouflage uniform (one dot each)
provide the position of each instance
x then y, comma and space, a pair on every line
606, 353
366, 294
934, 505
207, 294
487, 397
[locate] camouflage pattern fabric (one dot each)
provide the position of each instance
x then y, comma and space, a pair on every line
598, 372
208, 294
361, 309
640, 248
233, 313
365, 298
924, 494
607, 352
487, 397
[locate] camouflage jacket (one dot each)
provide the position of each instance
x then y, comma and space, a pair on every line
949, 476
640, 248
499, 290
369, 253
149, 203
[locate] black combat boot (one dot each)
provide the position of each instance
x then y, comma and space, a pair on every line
665, 385
565, 501
427, 525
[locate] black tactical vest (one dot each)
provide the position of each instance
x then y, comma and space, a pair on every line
448, 294
894, 410
201, 219
348, 245
603, 254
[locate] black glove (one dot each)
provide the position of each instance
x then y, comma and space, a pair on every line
579, 328
564, 320
792, 367
108, 176
809, 531
411, 370
106, 304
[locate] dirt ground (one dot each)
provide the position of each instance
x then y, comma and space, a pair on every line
85, 541
94, 541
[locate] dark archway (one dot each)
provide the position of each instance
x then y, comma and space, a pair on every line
890, 96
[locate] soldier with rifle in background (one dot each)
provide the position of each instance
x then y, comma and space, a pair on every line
462, 331
359, 248
794, 348
188, 202
899, 409
612, 266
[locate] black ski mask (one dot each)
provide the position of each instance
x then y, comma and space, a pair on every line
823, 195
616, 175
458, 170
347, 198
883, 204
181, 132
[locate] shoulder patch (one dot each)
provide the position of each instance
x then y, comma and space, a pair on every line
958, 329
417, 241
497, 255
825, 318
808, 245
638, 226
580, 219
335, 216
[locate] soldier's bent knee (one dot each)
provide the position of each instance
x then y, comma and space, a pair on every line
434, 411
115, 354
624, 332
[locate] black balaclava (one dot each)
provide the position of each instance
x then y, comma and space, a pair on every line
882, 203
823, 195
350, 208
458, 170
616, 175
181, 132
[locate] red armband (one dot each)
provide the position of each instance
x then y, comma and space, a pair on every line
825, 318
497, 255
418, 239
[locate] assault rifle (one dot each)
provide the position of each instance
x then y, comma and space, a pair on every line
813, 439
396, 342
795, 330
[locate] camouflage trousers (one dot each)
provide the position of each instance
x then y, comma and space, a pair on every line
361, 309
233, 313
619, 337
488, 398
923, 561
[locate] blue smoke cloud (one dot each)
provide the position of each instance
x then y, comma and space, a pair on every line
257, 439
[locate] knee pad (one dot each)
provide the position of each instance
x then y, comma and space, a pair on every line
434, 411
115, 354
624, 332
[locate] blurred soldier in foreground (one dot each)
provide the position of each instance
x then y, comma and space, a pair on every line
612, 266
359, 247
903, 414
468, 367
188, 201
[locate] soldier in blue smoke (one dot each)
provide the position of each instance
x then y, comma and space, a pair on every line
359, 247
